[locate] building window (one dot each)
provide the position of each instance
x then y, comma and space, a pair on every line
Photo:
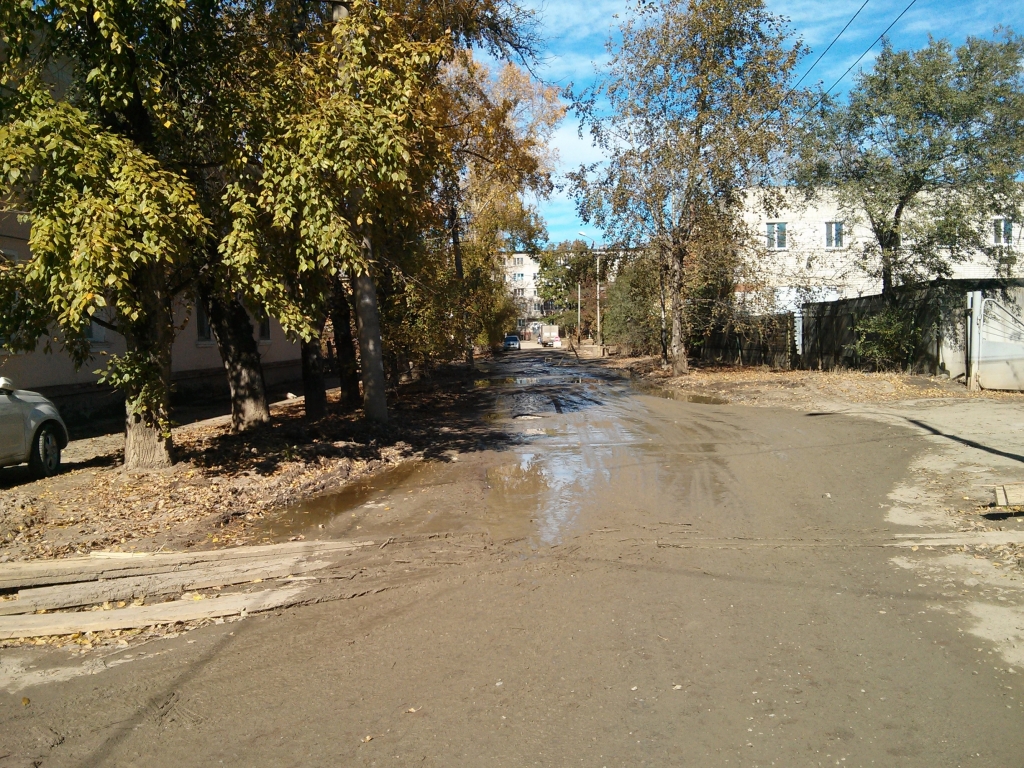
94, 333
518, 261
264, 326
519, 292
833, 234
519, 277
203, 330
776, 232
1002, 231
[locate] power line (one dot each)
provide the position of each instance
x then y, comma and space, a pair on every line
859, 58
834, 41
803, 77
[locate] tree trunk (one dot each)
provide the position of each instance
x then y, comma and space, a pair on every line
146, 445
375, 404
348, 367
460, 273
887, 282
147, 436
664, 324
233, 331
313, 377
680, 366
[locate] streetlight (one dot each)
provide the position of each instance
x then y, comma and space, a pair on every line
593, 247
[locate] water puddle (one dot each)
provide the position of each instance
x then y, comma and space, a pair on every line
525, 381
676, 394
528, 491
330, 512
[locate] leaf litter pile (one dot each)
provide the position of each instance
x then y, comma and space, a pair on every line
223, 484
760, 385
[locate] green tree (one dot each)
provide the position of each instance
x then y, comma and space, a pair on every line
927, 148
632, 313
83, 97
567, 279
498, 128
692, 121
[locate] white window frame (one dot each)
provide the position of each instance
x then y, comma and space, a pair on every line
835, 240
1002, 231
772, 235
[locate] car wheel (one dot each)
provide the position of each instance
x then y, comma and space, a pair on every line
45, 458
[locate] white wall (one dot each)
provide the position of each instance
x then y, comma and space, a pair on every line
806, 269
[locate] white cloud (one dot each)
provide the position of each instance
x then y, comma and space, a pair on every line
575, 35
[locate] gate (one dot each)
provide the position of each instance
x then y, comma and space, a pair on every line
995, 345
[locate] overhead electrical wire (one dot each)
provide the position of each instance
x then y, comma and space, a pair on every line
821, 56
859, 58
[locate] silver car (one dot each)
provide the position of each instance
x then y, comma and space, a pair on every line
31, 430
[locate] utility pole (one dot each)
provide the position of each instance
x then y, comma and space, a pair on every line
579, 309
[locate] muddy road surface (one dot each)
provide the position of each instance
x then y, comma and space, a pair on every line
631, 580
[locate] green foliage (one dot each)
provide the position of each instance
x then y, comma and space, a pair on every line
633, 314
692, 121
102, 213
928, 147
886, 341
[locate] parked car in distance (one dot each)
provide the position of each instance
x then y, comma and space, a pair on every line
511, 342
31, 430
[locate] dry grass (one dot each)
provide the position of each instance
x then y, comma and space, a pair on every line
799, 389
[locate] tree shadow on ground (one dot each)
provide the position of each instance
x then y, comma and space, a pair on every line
434, 418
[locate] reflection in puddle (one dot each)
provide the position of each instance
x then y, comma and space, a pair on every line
676, 394
549, 485
526, 490
522, 381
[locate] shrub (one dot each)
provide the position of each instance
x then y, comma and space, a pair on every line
886, 341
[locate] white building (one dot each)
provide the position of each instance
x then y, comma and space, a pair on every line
197, 370
521, 271
812, 252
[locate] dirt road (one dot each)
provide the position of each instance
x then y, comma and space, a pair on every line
633, 580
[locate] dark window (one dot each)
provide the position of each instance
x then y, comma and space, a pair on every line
203, 330
265, 327
95, 333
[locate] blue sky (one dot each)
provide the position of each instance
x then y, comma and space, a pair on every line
575, 33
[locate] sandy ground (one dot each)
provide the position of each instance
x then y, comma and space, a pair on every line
223, 485
626, 580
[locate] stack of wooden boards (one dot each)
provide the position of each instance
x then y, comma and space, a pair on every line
51, 593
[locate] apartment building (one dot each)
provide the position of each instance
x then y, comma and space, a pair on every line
197, 369
521, 272
813, 252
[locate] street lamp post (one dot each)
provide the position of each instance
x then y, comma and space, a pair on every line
593, 247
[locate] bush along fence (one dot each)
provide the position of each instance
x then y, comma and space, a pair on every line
920, 329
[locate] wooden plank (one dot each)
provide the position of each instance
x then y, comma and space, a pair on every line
36, 625
1013, 495
110, 565
1001, 496
58, 596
